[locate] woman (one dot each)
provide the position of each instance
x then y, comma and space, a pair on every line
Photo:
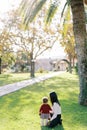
56, 111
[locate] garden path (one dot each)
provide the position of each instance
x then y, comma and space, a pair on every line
18, 85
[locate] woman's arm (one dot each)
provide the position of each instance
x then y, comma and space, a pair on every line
56, 110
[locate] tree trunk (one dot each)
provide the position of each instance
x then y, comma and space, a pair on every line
73, 62
79, 28
0, 64
32, 73
70, 63
32, 69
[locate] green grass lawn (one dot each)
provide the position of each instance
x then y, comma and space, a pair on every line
15, 77
12, 78
19, 110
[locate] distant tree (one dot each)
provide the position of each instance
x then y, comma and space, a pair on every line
6, 50
33, 40
68, 43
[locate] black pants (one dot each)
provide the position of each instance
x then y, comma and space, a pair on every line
55, 121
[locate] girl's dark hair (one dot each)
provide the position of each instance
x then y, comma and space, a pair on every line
54, 98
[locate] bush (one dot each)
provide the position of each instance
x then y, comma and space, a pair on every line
41, 70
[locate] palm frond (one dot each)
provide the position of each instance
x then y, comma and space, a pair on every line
68, 2
36, 9
65, 5
31, 10
62, 13
67, 20
26, 6
52, 10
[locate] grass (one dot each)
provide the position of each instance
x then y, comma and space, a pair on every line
12, 78
19, 110
15, 77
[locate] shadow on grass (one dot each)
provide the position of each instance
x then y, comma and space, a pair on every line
55, 128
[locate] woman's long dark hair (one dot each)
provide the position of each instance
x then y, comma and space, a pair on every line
54, 98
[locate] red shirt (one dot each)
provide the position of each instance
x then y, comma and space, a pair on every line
45, 108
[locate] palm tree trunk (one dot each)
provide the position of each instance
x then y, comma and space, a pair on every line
79, 27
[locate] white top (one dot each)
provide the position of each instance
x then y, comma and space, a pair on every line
56, 109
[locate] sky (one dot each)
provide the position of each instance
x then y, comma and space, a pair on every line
57, 50
6, 5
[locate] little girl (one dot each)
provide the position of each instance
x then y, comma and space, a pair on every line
44, 111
